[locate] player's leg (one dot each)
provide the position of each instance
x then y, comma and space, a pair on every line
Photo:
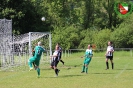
86, 64
30, 62
37, 62
86, 68
51, 63
55, 68
61, 59
107, 64
111, 60
34, 65
83, 67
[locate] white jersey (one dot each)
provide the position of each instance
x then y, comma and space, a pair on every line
56, 52
109, 49
89, 51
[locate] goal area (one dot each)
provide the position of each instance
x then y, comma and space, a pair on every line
15, 50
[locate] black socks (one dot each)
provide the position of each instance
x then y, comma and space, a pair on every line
112, 65
107, 65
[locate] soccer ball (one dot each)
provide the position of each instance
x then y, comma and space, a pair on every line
43, 18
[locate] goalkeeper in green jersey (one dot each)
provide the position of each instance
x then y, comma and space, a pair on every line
87, 60
36, 58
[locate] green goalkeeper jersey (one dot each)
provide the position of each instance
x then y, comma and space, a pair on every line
38, 51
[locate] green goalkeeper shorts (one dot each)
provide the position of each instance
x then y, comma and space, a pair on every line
35, 60
87, 61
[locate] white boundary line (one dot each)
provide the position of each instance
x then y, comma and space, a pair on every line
122, 70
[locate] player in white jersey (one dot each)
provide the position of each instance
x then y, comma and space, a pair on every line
60, 51
55, 60
109, 55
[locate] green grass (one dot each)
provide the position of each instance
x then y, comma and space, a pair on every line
70, 76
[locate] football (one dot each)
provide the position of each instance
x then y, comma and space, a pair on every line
43, 18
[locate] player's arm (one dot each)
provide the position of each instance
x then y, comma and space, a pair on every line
112, 50
43, 50
33, 52
106, 53
91, 54
53, 55
82, 56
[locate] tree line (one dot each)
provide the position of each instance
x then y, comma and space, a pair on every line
73, 23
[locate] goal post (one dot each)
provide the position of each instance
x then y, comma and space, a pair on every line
17, 49
6, 56
43, 35
25, 43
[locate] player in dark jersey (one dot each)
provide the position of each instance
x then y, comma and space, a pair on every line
60, 51
36, 58
109, 55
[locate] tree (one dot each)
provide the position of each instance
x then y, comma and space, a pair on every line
102, 37
122, 36
67, 37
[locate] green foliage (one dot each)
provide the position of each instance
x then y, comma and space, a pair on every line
101, 38
73, 23
87, 37
26, 15
68, 37
122, 36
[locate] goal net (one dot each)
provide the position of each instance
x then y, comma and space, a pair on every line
17, 49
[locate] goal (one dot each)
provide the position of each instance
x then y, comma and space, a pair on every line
17, 49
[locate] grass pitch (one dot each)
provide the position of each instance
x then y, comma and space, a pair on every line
70, 75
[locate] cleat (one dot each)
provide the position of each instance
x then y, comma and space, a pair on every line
63, 63
82, 72
31, 69
38, 76
57, 73
107, 68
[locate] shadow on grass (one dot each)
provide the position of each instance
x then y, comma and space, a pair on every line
102, 73
70, 75
46, 69
68, 67
123, 69
63, 76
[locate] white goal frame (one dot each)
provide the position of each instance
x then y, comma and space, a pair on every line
17, 49
50, 42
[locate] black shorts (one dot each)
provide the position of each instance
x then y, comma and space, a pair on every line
109, 57
54, 63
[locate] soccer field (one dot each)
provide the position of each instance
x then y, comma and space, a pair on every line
70, 75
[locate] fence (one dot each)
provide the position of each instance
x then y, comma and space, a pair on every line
68, 53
